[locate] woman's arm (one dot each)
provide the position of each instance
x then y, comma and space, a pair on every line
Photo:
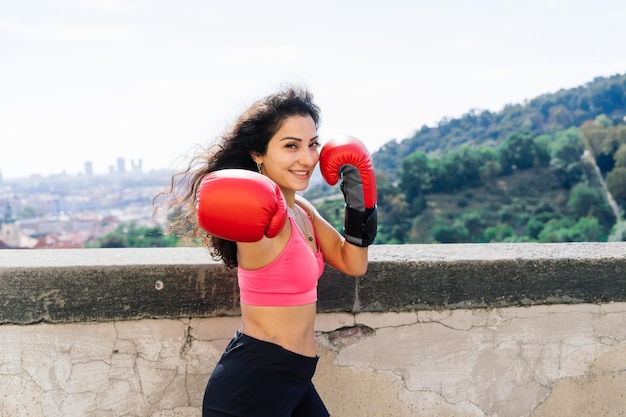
338, 253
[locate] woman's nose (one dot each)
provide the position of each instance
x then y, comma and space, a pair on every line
309, 157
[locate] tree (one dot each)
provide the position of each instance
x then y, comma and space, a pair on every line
444, 233
113, 241
414, 175
534, 226
560, 117
583, 199
603, 121
588, 229
498, 233
607, 96
556, 230
597, 138
604, 143
474, 224
519, 151
616, 183
467, 166
489, 171
395, 222
566, 149
620, 156
618, 232
129, 235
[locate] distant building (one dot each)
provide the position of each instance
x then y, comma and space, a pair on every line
9, 232
10, 235
136, 166
89, 168
121, 165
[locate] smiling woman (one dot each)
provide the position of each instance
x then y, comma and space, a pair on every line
292, 154
241, 198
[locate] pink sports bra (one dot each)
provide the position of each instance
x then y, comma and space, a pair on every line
289, 280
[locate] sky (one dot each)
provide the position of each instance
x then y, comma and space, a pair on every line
151, 80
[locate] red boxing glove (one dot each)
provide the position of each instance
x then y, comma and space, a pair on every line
240, 205
348, 158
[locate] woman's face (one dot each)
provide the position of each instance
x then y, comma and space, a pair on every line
292, 154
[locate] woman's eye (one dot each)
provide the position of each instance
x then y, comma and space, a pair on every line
315, 145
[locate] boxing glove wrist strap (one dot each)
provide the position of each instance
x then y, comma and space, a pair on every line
360, 226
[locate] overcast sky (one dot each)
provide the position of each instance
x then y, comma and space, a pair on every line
94, 80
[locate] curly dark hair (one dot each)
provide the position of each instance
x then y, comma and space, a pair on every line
250, 134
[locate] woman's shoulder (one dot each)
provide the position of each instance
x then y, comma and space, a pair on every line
306, 205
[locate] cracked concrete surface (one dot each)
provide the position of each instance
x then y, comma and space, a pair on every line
128, 368
509, 362
506, 362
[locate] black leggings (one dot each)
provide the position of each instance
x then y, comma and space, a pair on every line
261, 379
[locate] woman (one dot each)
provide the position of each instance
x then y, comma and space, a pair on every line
243, 198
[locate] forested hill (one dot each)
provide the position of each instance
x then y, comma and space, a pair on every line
550, 170
546, 114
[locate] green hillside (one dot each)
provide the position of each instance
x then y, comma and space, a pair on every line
549, 170
546, 114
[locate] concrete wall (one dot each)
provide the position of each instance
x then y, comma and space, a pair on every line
431, 330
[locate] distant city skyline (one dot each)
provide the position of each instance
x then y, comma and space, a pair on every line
72, 211
117, 166
90, 81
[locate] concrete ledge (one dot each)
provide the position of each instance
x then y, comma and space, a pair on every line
519, 330
78, 285
408, 277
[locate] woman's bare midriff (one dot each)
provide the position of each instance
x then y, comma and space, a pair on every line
291, 327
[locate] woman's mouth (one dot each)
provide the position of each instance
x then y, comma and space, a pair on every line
300, 174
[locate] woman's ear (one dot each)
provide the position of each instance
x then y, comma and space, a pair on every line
256, 157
